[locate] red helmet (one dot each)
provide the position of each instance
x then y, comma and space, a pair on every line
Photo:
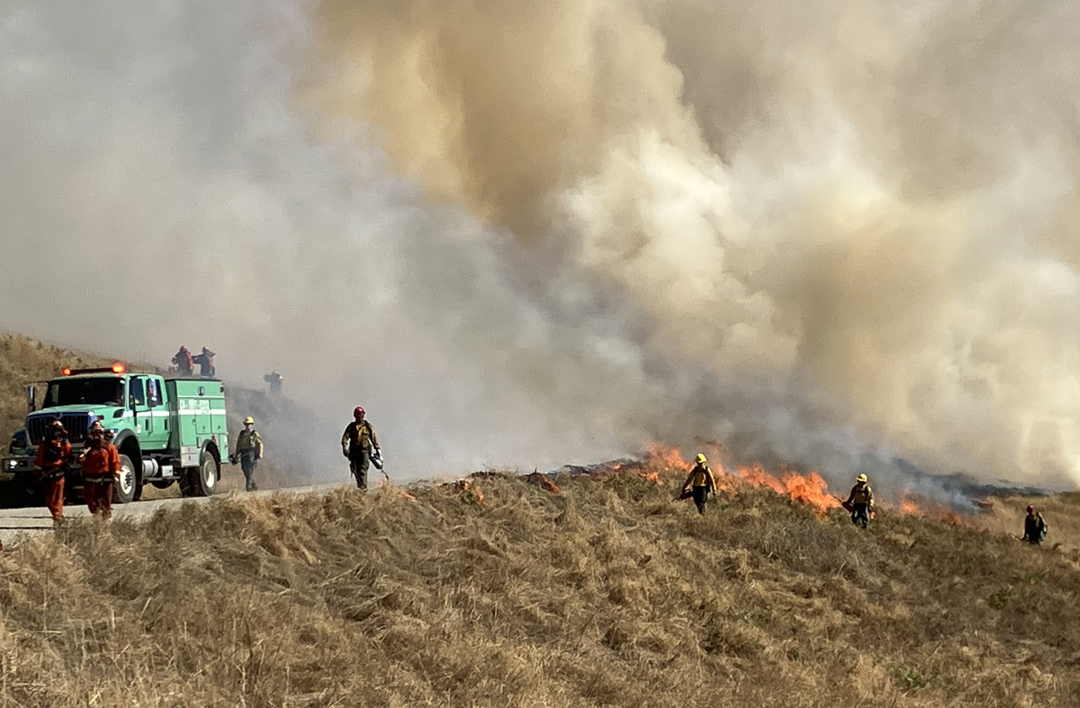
357, 412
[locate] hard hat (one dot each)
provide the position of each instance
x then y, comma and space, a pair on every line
1031, 509
96, 425
357, 412
249, 420
55, 423
861, 478
701, 459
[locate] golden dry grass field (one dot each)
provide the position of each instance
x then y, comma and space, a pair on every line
606, 593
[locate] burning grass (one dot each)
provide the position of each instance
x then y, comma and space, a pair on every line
607, 593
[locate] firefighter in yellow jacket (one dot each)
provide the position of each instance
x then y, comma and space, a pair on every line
357, 444
860, 502
699, 483
248, 452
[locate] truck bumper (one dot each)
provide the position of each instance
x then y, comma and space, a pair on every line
12, 468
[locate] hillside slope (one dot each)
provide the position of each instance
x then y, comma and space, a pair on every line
608, 593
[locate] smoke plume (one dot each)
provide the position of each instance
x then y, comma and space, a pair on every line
840, 234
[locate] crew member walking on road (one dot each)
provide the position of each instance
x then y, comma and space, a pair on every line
357, 444
861, 502
50, 467
101, 468
205, 360
249, 450
1034, 527
700, 483
185, 365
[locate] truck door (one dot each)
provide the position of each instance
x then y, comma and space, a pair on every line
140, 410
156, 425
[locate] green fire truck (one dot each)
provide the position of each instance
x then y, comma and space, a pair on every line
168, 430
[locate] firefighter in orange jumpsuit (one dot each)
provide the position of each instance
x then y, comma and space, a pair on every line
101, 468
50, 466
184, 364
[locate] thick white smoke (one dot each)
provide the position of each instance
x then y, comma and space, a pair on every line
837, 235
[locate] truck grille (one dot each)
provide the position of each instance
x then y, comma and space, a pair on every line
75, 423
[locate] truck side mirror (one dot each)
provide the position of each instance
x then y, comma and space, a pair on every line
31, 398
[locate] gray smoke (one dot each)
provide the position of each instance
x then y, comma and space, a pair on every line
836, 235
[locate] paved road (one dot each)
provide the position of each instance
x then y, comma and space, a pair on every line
18, 524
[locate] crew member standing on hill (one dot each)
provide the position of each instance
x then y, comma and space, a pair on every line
185, 366
861, 502
1034, 527
206, 363
357, 444
50, 466
249, 450
101, 468
700, 482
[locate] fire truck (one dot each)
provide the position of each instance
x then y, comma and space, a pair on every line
168, 430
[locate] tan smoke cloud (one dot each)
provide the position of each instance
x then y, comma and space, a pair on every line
836, 215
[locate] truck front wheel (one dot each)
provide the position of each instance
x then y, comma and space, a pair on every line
124, 489
201, 481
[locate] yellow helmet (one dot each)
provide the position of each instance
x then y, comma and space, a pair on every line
249, 421
701, 459
861, 478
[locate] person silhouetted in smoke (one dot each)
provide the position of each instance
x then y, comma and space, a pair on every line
699, 483
274, 379
1035, 527
205, 360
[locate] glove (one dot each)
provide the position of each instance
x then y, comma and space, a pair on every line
232, 459
345, 451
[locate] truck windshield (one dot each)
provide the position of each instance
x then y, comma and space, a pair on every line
73, 392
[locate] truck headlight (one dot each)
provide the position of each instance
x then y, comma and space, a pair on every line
12, 464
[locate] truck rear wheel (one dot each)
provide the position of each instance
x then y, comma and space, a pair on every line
124, 489
201, 481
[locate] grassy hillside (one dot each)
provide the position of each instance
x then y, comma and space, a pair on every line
607, 593
24, 360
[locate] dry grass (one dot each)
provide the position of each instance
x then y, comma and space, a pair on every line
607, 594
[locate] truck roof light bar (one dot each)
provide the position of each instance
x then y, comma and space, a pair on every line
117, 368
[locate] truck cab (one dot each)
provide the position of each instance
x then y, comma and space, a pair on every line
167, 430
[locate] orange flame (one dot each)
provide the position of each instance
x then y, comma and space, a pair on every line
809, 489
913, 505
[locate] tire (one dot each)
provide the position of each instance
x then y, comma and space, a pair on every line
124, 491
201, 481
